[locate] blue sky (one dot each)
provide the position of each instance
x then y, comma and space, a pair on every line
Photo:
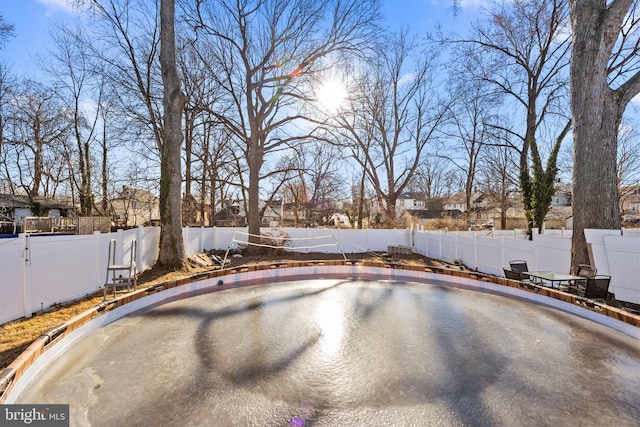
33, 18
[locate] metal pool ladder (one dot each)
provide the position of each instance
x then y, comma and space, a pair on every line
121, 275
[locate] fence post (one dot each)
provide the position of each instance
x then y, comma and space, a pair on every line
455, 247
139, 247
502, 259
119, 246
185, 240
475, 250
535, 249
26, 277
98, 240
411, 238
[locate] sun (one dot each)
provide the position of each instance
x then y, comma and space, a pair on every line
331, 95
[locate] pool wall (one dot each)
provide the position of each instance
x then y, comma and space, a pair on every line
54, 342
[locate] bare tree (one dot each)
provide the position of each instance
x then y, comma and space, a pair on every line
267, 53
324, 178
392, 119
104, 140
433, 177
71, 70
6, 31
171, 243
469, 129
127, 38
38, 128
316, 182
207, 148
521, 49
7, 81
605, 77
497, 180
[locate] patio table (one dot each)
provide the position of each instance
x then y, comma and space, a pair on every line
552, 277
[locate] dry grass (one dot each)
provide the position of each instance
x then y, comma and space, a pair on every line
16, 336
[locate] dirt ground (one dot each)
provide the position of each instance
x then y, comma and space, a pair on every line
16, 336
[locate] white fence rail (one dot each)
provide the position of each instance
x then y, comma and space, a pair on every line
39, 271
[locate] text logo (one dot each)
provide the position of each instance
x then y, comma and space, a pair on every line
34, 415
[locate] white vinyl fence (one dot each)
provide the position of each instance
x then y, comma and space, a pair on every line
39, 271
615, 253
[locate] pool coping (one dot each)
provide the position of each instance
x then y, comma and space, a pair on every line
52, 343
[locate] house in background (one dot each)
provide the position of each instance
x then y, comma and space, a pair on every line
134, 207
411, 200
630, 204
458, 202
14, 208
229, 216
196, 211
562, 196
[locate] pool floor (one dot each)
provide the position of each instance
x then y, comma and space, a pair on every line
347, 353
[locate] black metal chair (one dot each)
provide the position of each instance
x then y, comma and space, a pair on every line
512, 274
597, 287
519, 265
584, 270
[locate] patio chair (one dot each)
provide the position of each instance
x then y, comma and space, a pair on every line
519, 265
597, 287
584, 270
512, 274
525, 281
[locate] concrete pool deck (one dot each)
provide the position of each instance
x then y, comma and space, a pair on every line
49, 346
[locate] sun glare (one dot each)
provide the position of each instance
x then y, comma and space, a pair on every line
331, 95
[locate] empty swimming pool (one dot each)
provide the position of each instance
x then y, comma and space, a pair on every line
346, 353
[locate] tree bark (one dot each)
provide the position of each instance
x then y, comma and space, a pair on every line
255, 158
171, 253
597, 112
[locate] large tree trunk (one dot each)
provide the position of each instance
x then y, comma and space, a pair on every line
255, 160
597, 112
171, 244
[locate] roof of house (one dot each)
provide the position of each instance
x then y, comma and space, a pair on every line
23, 201
415, 195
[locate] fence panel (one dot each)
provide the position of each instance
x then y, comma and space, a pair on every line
489, 254
623, 253
431, 244
519, 250
91, 224
148, 238
466, 250
60, 269
553, 252
595, 239
36, 224
448, 250
192, 238
11, 282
